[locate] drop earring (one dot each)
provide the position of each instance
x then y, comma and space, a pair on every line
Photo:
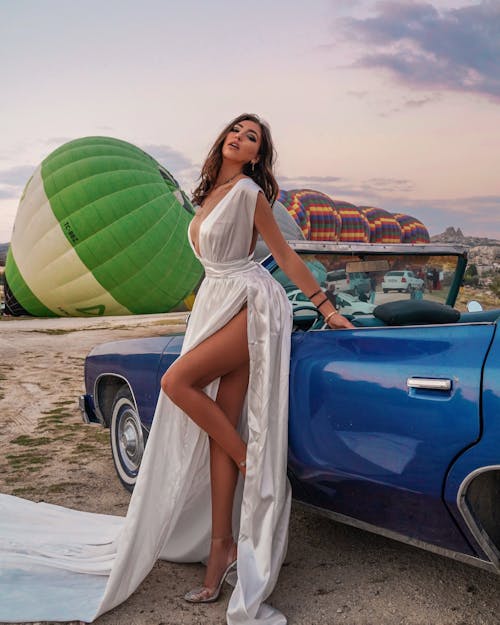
253, 167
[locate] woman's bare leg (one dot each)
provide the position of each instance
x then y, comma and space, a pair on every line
220, 354
224, 355
223, 478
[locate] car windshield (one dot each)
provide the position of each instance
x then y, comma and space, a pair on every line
359, 282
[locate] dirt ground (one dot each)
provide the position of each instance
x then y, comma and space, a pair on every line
333, 573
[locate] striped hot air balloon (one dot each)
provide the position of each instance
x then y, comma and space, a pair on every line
289, 229
315, 213
384, 227
355, 226
412, 230
291, 201
100, 230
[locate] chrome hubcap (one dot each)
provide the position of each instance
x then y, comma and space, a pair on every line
130, 441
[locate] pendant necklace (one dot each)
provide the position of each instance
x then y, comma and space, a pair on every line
227, 181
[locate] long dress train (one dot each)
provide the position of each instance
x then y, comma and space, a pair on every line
60, 564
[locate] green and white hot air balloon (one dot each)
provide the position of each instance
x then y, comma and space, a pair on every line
100, 230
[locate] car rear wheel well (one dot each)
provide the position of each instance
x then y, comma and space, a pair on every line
106, 390
482, 510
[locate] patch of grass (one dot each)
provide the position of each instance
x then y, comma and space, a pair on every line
64, 437
56, 413
25, 490
62, 486
101, 435
29, 441
83, 448
26, 461
54, 417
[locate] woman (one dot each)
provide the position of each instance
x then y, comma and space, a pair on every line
58, 564
243, 155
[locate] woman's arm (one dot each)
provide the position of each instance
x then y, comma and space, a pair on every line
291, 263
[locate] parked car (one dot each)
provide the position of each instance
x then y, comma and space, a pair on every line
402, 281
302, 305
341, 281
348, 304
337, 280
392, 428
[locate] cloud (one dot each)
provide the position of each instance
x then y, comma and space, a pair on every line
455, 49
13, 180
299, 182
58, 140
8, 192
16, 176
358, 94
475, 215
339, 187
413, 104
172, 159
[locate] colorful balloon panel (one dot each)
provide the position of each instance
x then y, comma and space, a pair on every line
384, 227
315, 212
412, 230
291, 201
101, 230
289, 229
355, 226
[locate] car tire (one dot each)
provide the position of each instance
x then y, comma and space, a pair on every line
385, 290
127, 438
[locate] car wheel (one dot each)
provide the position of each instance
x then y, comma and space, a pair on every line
127, 438
385, 290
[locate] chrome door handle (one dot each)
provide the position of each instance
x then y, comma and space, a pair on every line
429, 384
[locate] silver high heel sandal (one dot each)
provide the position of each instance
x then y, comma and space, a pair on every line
203, 594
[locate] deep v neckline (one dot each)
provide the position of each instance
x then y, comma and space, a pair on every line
216, 205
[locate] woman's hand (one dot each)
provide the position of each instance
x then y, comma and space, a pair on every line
338, 322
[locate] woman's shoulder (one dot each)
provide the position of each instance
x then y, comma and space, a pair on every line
250, 182
249, 185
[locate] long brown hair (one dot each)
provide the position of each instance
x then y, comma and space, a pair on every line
262, 173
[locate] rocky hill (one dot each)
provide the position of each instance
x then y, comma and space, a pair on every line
452, 235
483, 252
3, 253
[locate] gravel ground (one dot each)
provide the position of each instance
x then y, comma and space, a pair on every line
333, 573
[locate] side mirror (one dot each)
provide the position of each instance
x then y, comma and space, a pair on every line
474, 306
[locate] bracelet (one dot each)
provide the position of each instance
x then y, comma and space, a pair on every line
322, 302
315, 293
334, 312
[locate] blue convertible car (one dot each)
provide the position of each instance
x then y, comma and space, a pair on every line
394, 426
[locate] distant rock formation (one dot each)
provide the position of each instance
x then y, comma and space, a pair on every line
482, 252
455, 235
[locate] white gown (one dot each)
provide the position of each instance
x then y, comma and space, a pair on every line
59, 564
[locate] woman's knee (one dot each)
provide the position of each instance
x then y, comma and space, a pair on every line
171, 384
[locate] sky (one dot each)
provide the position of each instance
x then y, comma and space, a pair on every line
390, 103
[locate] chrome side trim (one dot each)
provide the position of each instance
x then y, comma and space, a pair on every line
431, 384
479, 534
98, 412
414, 542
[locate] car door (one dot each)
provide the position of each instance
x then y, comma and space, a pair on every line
377, 415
